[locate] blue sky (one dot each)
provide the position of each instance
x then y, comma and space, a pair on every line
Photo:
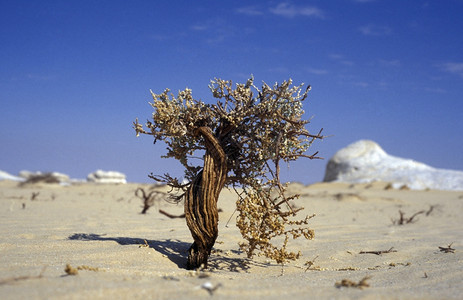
74, 75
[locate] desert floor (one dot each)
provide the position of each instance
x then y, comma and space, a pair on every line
121, 254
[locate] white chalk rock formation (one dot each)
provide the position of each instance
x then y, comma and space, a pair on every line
100, 176
365, 161
50, 177
7, 176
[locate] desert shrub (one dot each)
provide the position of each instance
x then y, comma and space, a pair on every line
241, 140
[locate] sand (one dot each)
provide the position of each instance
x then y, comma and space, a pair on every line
123, 254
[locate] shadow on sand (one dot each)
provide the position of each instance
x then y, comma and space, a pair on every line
176, 251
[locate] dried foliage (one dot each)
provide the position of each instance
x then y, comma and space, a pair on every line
260, 220
247, 133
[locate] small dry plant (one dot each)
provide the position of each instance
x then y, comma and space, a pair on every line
149, 198
70, 270
403, 220
239, 143
447, 249
349, 283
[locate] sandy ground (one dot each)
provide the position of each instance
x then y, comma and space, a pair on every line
99, 228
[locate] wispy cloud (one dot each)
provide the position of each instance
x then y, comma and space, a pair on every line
279, 70
375, 30
453, 68
213, 31
199, 27
40, 77
290, 11
341, 59
250, 10
361, 84
435, 90
317, 71
390, 63
283, 9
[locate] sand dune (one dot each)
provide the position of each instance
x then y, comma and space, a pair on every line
119, 253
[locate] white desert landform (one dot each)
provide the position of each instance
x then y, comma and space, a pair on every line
373, 240
365, 161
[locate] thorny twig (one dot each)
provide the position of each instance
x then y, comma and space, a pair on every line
378, 252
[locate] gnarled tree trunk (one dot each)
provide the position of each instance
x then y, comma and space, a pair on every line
201, 201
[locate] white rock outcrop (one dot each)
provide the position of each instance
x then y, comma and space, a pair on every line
100, 176
365, 161
7, 176
49, 177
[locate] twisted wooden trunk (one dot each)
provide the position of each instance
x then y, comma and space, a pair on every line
201, 201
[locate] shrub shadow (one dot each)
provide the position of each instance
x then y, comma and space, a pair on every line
175, 250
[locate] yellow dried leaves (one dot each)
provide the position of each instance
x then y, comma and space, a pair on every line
259, 222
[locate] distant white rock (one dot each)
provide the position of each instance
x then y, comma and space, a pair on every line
7, 176
365, 161
49, 177
100, 176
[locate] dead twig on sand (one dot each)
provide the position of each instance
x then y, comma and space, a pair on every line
430, 210
447, 249
378, 252
310, 263
404, 220
210, 288
34, 195
19, 278
349, 283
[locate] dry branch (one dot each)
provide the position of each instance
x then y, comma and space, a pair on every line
170, 215
378, 252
